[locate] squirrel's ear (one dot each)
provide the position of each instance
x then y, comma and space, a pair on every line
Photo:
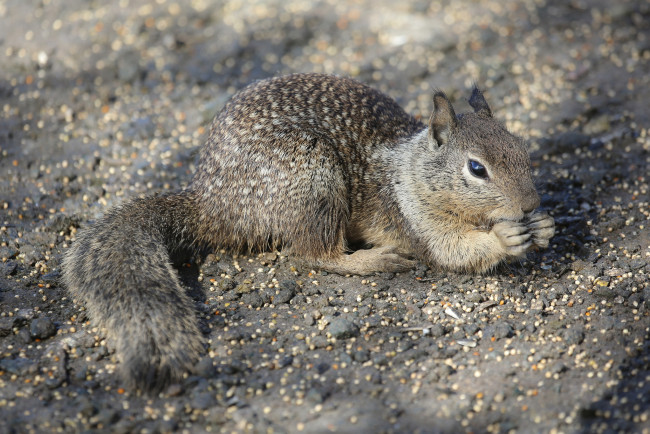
479, 104
443, 120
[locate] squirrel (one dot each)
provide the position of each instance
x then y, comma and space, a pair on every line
312, 164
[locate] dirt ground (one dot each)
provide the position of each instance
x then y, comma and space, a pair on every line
101, 101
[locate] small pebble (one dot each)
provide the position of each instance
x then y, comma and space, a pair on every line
42, 328
342, 328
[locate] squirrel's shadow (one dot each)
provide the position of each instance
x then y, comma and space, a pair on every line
188, 263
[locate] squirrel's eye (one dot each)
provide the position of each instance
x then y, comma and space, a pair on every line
477, 169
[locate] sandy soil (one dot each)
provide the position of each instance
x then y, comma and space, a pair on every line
100, 101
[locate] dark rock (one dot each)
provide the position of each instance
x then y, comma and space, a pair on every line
99, 353
458, 334
373, 321
24, 336
471, 329
558, 367
52, 276
203, 401
204, 367
86, 408
361, 356
573, 336
209, 267
321, 368
289, 284
605, 292
447, 289
450, 351
615, 223
6, 325
421, 270
234, 334
498, 331
635, 298
380, 359
24, 315
254, 299
444, 371
7, 268
231, 295
42, 328
19, 366
284, 362
286, 292
54, 382
342, 328
81, 373
318, 341
646, 296
437, 330
267, 294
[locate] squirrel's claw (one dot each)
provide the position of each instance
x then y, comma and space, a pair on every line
542, 228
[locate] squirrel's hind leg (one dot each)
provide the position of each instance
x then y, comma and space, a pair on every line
367, 261
320, 235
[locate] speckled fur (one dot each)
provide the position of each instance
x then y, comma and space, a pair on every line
312, 164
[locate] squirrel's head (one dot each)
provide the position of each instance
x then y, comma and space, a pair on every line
486, 168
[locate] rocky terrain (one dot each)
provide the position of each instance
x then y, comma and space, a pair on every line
101, 101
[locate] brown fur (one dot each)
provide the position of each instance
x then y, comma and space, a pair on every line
312, 163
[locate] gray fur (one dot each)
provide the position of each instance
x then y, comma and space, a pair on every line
311, 163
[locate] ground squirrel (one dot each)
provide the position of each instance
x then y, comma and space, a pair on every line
313, 164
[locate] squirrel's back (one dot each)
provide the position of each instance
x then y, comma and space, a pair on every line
289, 154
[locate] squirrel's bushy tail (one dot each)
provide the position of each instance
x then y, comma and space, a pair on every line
121, 269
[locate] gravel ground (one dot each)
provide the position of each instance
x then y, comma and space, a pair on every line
100, 101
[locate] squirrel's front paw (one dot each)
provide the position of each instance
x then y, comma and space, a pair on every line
542, 228
515, 237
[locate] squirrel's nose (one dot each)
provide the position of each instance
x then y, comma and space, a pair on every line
530, 202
